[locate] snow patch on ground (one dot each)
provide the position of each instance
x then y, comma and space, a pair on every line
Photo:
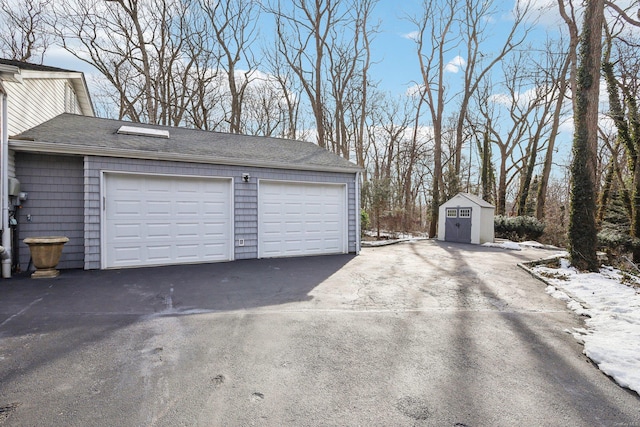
612, 335
390, 238
507, 244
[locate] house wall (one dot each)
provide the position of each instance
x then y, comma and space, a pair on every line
12, 164
487, 227
36, 100
55, 203
245, 197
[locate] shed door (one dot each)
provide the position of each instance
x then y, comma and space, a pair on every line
298, 219
458, 225
156, 220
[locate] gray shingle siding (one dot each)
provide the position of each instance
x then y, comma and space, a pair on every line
55, 203
64, 199
245, 197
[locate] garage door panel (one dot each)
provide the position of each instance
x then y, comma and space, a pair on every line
128, 253
187, 208
125, 231
188, 230
187, 251
214, 208
158, 231
166, 220
123, 207
212, 251
158, 253
301, 219
157, 207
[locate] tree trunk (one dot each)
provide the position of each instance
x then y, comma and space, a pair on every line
582, 226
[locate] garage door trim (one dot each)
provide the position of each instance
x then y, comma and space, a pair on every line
344, 218
104, 174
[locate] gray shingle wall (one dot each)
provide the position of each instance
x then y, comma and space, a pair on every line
245, 197
55, 203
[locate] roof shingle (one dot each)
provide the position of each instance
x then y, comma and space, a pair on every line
81, 135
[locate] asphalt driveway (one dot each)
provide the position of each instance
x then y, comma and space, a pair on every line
421, 333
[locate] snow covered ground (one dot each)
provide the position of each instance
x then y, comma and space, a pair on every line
611, 303
390, 238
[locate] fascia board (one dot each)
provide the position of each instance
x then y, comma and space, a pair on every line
57, 148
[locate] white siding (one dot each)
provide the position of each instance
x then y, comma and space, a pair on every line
487, 227
12, 164
34, 101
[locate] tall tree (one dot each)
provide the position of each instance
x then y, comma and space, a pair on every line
445, 31
23, 29
623, 109
560, 84
582, 225
140, 48
234, 25
433, 45
475, 21
326, 44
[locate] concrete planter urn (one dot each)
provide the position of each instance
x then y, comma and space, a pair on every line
45, 254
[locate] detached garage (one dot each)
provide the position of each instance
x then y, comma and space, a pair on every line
466, 218
137, 195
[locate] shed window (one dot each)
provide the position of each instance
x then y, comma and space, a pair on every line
465, 213
452, 213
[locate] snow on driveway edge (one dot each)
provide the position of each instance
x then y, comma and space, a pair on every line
611, 337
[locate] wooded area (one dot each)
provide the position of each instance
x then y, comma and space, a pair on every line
496, 127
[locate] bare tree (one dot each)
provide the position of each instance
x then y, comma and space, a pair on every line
234, 25
559, 81
444, 29
325, 44
23, 34
475, 21
142, 49
515, 122
433, 44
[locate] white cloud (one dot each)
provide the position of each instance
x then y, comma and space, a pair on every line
455, 64
500, 98
414, 90
413, 35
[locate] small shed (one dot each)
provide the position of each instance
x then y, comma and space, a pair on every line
466, 218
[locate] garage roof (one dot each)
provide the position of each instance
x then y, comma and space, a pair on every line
81, 135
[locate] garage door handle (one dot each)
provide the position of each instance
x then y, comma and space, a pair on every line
458, 224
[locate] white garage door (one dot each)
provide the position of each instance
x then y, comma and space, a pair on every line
156, 220
301, 219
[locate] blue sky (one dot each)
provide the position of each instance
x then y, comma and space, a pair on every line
396, 66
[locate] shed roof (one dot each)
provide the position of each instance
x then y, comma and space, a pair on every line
474, 199
82, 135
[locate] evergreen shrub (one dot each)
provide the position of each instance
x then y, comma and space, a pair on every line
364, 220
518, 228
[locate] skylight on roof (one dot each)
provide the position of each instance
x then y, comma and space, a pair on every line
140, 131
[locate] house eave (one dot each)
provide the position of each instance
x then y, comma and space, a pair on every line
68, 149
10, 73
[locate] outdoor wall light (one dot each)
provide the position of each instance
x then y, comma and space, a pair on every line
246, 177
